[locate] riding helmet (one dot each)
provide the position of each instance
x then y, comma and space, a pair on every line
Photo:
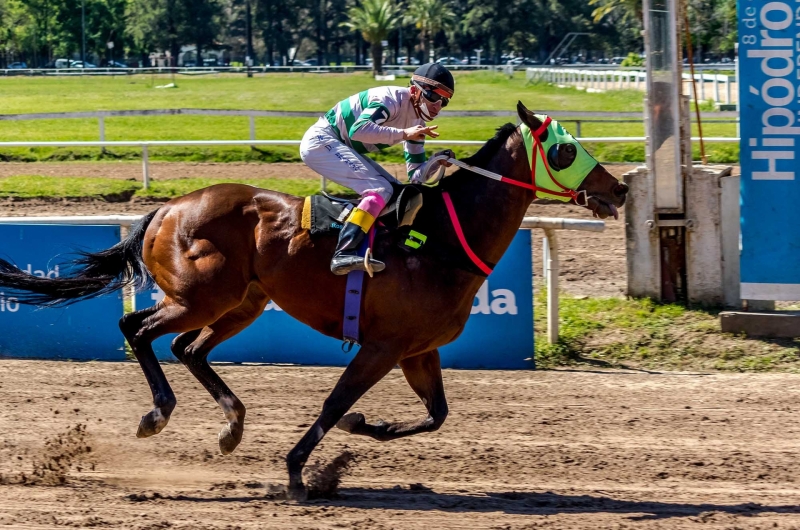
437, 77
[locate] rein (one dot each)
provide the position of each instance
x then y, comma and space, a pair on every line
537, 148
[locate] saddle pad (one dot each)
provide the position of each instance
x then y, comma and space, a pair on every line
321, 215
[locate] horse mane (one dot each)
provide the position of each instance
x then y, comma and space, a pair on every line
492, 146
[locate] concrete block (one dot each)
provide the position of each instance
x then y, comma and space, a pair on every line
778, 325
641, 239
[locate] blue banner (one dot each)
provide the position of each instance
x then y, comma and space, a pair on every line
86, 330
498, 335
769, 114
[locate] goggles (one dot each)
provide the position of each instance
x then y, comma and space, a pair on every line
432, 94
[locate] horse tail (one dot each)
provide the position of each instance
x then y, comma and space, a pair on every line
89, 276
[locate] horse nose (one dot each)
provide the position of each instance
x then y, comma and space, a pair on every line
620, 189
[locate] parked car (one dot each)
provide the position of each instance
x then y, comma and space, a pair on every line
448, 60
17, 66
405, 60
211, 61
81, 64
116, 64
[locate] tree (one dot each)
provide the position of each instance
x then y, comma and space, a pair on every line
374, 19
430, 17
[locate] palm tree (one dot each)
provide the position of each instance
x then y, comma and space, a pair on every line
374, 19
430, 17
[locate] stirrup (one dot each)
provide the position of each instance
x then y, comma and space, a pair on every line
341, 265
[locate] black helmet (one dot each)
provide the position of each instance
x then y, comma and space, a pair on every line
436, 78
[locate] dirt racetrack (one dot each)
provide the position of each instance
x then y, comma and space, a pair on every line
523, 449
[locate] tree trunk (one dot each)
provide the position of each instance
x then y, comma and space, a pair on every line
377, 56
199, 56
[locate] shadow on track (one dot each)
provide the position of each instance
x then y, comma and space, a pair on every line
514, 502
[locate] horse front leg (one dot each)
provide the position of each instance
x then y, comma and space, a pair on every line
368, 367
424, 374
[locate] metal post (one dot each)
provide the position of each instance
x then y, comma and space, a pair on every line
552, 287
716, 88
728, 90
252, 127
578, 128
545, 257
702, 86
145, 167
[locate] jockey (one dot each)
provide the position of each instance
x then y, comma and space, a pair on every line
369, 121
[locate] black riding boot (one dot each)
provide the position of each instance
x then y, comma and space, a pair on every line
345, 259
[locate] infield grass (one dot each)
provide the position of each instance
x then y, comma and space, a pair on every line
30, 187
644, 334
307, 92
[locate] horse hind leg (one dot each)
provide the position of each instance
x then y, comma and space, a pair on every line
141, 328
192, 350
424, 374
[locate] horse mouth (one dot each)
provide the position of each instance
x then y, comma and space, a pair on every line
603, 209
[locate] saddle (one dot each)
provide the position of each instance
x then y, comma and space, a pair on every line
326, 214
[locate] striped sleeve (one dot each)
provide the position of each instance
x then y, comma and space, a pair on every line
414, 152
369, 128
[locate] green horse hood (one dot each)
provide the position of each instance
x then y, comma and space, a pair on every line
570, 177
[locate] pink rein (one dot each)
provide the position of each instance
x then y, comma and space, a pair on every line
460, 233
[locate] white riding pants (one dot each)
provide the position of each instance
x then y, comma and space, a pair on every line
323, 152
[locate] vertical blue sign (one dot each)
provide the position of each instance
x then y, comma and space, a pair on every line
498, 335
769, 114
86, 330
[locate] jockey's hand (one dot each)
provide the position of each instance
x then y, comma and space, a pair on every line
418, 132
449, 153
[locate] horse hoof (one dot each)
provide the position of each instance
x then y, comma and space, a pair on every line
152, 423
297, 493
350, 422
229, 439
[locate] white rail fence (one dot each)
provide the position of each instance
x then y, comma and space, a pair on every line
548, 224
721, 90
145, 145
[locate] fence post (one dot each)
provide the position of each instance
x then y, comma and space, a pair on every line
552, 287
252, 127
716, 88
728, 89
545, 257
578, 128
102, 123
702, 87
145, 167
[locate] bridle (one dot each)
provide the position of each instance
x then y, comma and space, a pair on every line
537, 148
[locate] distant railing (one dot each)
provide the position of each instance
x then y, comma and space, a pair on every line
209, 70
595, 79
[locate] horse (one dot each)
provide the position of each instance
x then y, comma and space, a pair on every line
220, 254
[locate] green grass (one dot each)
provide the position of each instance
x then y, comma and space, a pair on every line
308, 92
28, 187
641, 333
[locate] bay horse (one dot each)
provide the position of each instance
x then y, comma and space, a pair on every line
220, 254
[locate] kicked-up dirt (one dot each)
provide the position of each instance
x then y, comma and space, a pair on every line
556, 450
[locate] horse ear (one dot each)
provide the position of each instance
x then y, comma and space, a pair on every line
527, 116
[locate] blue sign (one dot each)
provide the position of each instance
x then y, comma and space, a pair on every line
86, 330
498, 335
769, 114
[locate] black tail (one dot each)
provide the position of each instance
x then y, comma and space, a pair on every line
94, 274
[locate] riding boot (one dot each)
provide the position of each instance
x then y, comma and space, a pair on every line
346, 258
